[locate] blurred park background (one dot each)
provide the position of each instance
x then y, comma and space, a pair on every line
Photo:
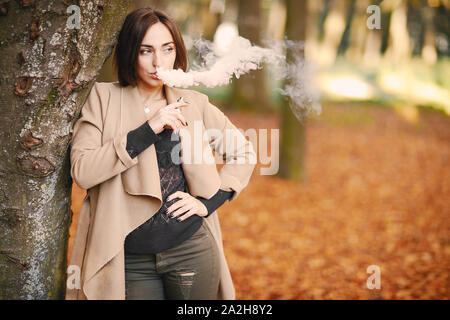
366, 181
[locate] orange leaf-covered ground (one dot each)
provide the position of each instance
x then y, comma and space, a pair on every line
377, 193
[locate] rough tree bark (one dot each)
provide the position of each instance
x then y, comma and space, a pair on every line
47, 70
293, 133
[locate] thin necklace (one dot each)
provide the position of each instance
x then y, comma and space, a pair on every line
147, 108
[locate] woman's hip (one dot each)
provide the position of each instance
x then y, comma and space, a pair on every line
199, 250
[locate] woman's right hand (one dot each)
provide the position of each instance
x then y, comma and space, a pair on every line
168, 116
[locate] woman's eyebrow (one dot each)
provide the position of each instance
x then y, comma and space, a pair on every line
150, 46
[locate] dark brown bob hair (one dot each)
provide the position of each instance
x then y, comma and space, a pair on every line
130, 38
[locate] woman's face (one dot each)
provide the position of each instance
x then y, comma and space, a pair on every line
157, 50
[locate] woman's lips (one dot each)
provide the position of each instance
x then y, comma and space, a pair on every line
154, 75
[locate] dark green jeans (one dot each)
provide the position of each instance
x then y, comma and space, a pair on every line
190, 270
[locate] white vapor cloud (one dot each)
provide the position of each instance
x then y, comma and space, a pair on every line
218, 68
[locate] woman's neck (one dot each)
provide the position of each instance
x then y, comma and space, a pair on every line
149, 94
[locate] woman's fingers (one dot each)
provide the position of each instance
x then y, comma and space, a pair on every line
176, 106
181, 118
186, 215
180, 213
176, 121
180, 104
178, 194
178, 116
185, 207
180, 206
173, 124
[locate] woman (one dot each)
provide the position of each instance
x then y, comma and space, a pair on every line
148, 227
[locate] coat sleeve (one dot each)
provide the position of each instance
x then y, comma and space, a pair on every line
91, 161
233, 147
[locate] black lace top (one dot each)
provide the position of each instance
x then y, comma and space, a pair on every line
161, 232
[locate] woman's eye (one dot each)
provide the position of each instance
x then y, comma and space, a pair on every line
145, 51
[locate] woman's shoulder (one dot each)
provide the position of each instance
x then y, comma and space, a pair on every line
105, 86
101, 90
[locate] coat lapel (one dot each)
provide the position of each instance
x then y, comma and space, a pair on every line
202, 178
143, 179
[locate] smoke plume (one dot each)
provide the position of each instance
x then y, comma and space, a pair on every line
217, 68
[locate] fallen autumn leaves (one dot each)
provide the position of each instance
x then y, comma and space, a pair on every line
377, 193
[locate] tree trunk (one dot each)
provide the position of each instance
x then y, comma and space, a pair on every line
249, 91
48, 66
293, 133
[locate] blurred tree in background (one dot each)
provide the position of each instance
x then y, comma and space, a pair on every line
293, 133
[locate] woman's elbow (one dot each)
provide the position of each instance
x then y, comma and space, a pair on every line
80, 176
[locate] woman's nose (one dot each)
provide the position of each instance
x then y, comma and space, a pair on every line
156, 60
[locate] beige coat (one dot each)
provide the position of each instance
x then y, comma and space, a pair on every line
123, 193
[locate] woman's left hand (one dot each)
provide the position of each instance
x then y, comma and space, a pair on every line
186, 203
